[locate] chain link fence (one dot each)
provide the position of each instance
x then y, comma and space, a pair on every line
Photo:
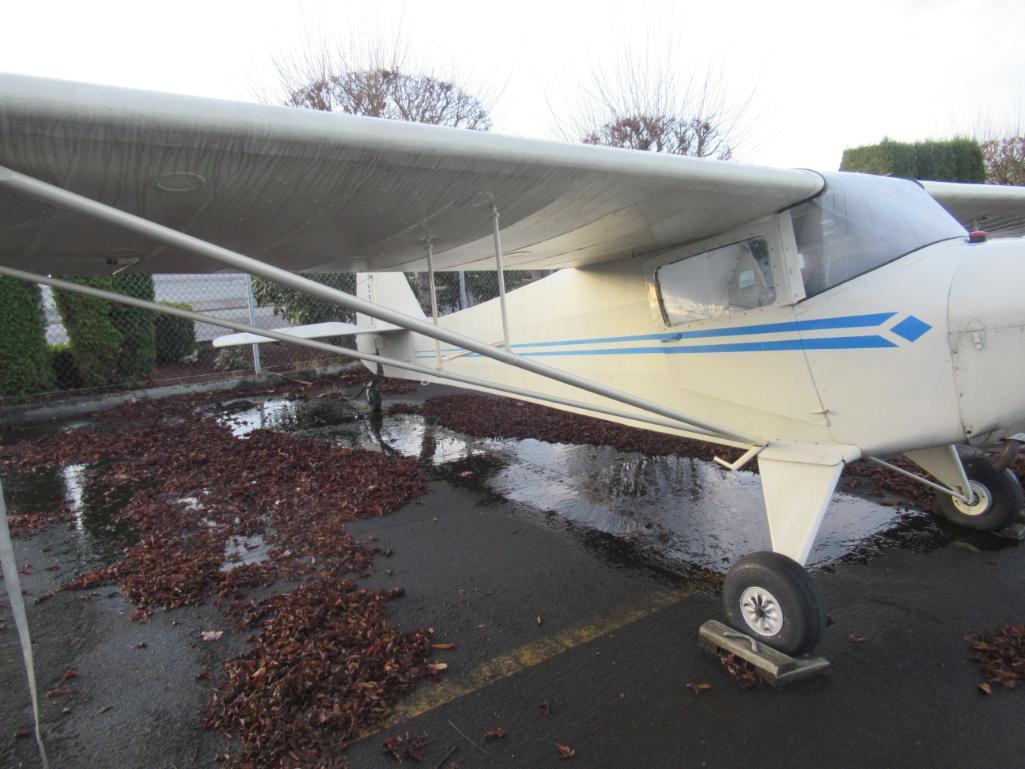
57, 343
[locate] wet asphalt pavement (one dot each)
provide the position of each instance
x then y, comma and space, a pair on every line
566, 575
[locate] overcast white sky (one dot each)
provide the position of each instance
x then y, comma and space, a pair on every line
825, 75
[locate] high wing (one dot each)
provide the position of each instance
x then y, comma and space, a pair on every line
314, 191
997, 209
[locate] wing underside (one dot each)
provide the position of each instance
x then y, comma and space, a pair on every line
997, 209
313, 191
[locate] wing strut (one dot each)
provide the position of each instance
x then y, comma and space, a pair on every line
12, 583
174, 238
500, 271
434, 298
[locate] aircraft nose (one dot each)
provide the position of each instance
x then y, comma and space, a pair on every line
986, 326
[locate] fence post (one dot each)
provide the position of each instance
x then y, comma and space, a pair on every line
250, 299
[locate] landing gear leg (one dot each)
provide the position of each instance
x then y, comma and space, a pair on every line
772, 597
769, 595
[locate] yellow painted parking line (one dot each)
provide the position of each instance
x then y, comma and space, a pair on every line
427, 698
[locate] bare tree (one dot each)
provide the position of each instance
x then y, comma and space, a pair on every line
1004, 159
643, 103
375, 79
378, 81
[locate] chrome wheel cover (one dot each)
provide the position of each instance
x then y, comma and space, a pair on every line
761, 611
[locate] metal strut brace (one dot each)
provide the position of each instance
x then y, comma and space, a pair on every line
434, 299
500, 271
251, 300
237, 261
920, 479
12, 582
681, 427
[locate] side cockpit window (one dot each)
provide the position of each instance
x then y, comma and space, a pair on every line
711, 284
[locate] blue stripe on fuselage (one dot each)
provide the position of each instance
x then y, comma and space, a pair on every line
819, 324
822, 343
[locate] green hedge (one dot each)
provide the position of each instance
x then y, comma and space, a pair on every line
65, 371
956, 160
95, 340
136, 326
110, 343
24, 359
176, 337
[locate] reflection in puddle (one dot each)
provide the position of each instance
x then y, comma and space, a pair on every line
684, 511
289, 415
74, 491
102, 533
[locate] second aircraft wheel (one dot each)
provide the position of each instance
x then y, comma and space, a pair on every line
772, 598
998, 498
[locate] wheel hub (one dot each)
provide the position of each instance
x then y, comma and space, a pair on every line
983, 499
761, 611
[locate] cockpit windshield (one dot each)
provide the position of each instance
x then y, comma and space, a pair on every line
861, 222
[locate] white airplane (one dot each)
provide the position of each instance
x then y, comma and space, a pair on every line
807, 320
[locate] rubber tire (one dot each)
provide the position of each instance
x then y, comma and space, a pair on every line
1005, 492
804, 611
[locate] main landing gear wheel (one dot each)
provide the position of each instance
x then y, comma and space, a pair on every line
772, 598
998, 498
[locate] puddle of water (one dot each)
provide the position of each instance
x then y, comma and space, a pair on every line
286, 415
242, 550
684, 511
102, 534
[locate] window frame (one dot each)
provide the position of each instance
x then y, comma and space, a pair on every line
778, 233
799, 278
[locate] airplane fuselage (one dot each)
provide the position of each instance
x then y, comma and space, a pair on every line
922, 351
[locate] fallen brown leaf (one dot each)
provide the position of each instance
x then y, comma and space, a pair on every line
565, 751
444, 646
698, 688
497, 733
104, 709
59, 692
69, 674
985, 688
740, 670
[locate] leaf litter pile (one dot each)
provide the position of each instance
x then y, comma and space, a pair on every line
325, 663
1000, 656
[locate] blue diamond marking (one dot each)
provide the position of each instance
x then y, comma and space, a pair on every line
911, 328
